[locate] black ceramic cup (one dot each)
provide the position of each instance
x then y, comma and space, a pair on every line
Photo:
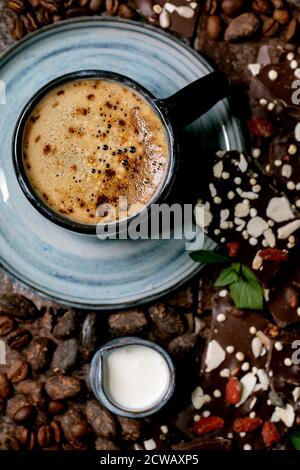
175, 112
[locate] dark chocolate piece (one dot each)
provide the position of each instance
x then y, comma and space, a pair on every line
254, 222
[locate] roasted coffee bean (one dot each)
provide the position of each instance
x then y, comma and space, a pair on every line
88, 337
105, 444
57, 18
19, 338
83, 3
292, 30
15, 403
65, 355
281, 16
27, 438
17, 31
270, 27
130, 428
18, 306
66, 325
96, 5
243, 26
74, 12
168, 324
56, 407
125, 11
263, 7
214, 27
44, 436
24, 414
9, 443
30, 21
57, 431
7, 325
232, 8
50, 5
16, 5
5, 386
127, 323
34, 3
279, 4
18, 371
39, 354
74, 426
33, 390
182, 345
70, 3
61, 387
112, 6
211, 7
101, 420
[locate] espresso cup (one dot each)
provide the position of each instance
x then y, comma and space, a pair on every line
174, 113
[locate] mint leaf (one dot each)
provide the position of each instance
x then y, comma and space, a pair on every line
208, 257
249, 274
227, 277
237, 268
295, 439
247, 295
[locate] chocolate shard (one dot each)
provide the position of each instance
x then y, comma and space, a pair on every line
254, 222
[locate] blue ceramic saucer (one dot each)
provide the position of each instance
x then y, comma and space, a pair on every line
75, 269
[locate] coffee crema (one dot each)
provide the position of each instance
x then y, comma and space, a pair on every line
90, 142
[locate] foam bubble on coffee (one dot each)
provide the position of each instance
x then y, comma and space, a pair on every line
90, 142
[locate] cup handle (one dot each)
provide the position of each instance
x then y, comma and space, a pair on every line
195, 99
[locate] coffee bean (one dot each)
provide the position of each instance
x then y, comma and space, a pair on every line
241, 27
33, 390
96, 5
281, 16
7, 325
15, 403
105, 444
9, 443
70, 3
88, 337
263, 7
50, 5
127, 323
61, 387
65, 356
30, 21
125, 11
279, 4
211, 7
44, 436
292, 30
74, 426
39, 354
27, 438
19, 338
270, 27
17, 30
24, 414
56, 430
101, 420
130, 429
5, 386
112, 6
214, 27
232, 8
16, 5
17, 306
57, 18
66, 325
74, 12
83, 3
34, 3
18, 371
56, 407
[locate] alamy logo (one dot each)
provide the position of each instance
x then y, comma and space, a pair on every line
2, 92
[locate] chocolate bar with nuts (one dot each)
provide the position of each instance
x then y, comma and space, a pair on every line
179, 16
255, 223
232, 398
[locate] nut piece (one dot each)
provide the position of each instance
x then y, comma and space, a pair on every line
244, 26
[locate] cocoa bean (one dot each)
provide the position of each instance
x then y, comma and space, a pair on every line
105, 444
66, 325
61, 387
263, 7
130, 428
244, 26
89, 337
127, 323
281, 16
39, 353
232, 8
74, 426
182, 345
101, 420
65, 355
33, 390
214, 27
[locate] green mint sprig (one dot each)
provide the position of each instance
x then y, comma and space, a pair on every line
245, 289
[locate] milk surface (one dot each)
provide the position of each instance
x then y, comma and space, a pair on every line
136, 377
